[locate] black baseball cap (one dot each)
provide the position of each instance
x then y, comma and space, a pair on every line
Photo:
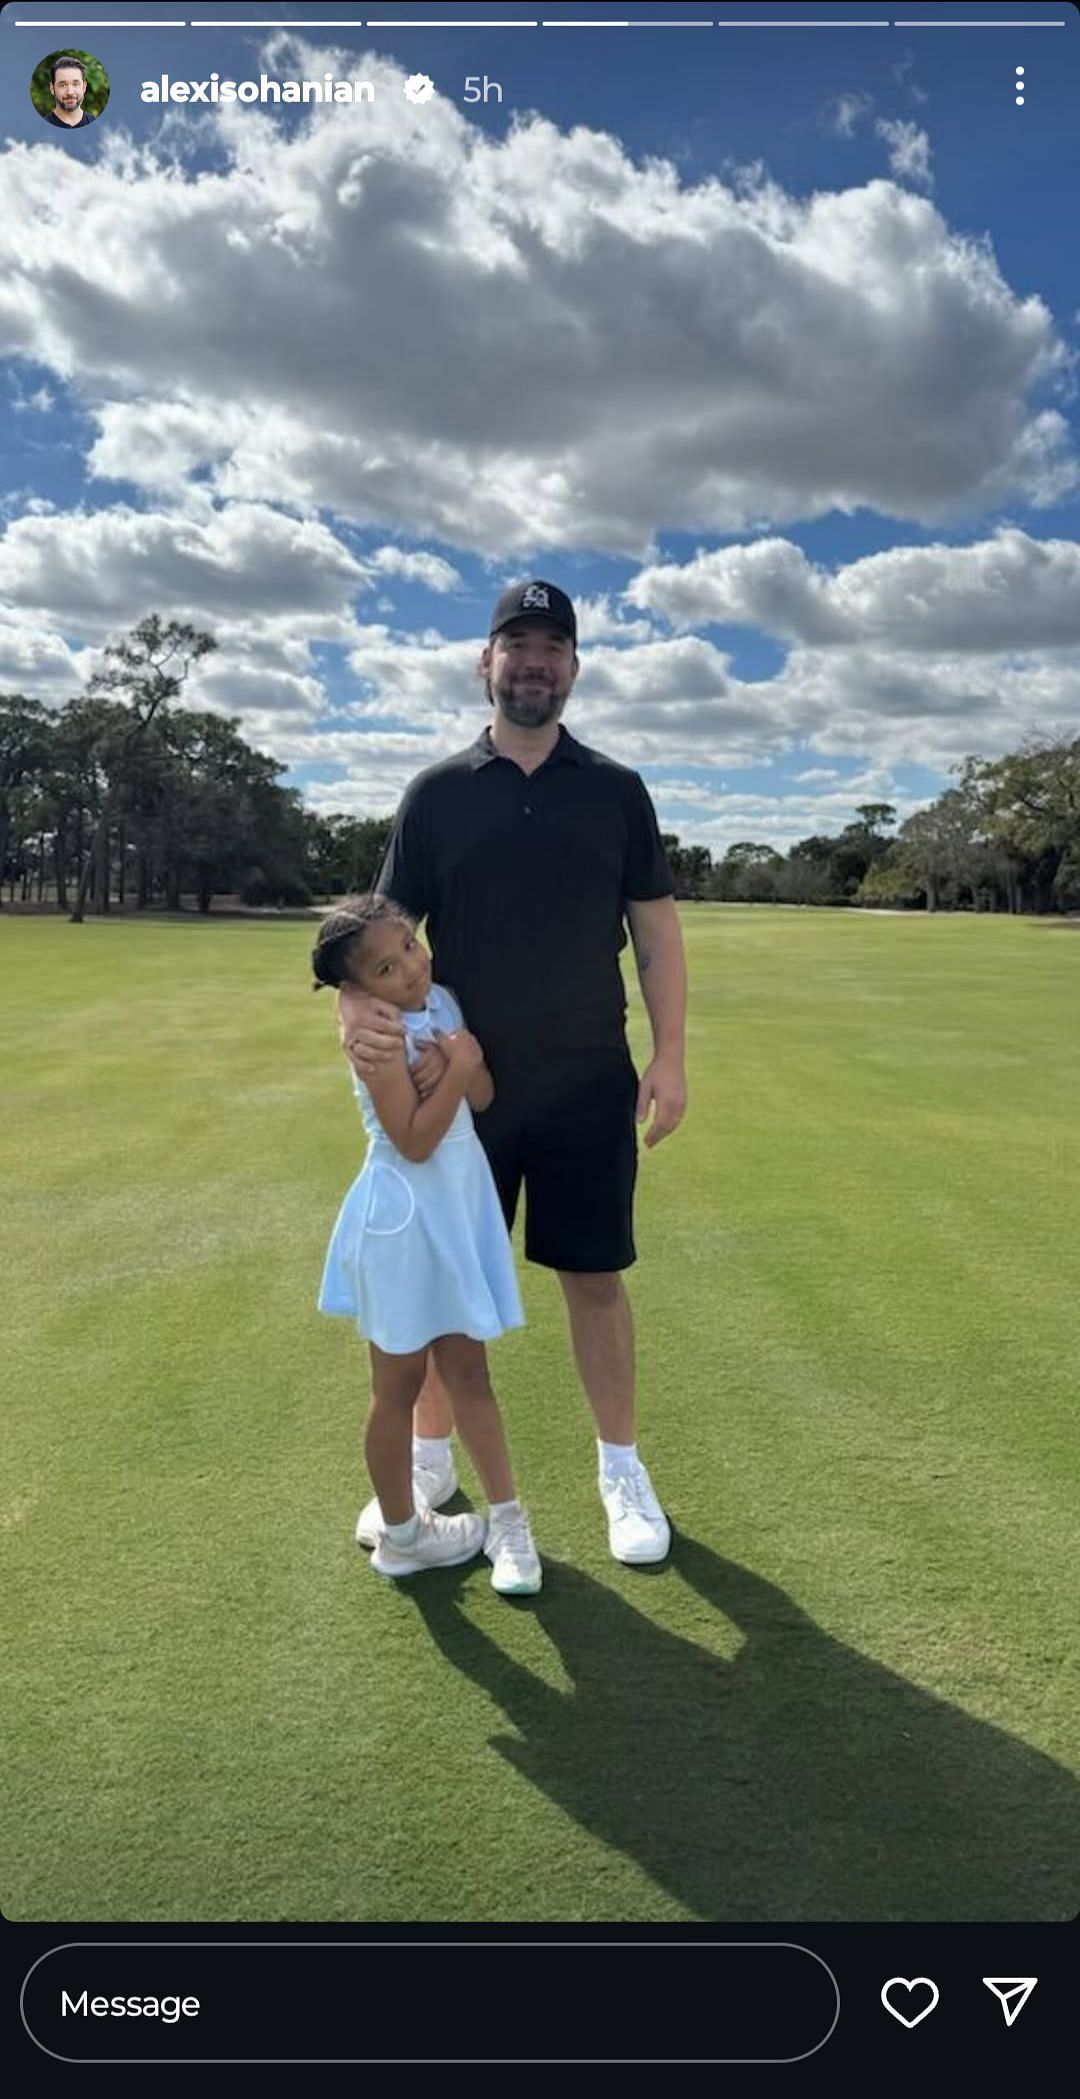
535, 600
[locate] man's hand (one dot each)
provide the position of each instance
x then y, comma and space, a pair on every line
663, 1086
371, 1031
428, 1069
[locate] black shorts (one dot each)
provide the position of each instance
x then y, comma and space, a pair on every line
567, 1130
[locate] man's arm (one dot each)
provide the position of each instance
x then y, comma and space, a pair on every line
372, 1031
661, 963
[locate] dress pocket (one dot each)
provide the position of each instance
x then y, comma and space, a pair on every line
391, 1202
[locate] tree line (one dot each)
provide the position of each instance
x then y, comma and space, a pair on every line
124, 797
1005, 838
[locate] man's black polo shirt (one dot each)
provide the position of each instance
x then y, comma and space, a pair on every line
524, 880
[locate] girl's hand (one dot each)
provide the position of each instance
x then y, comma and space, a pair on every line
428, 1069
461, 1049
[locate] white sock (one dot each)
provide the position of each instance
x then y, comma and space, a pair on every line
404, 1533
503, 1508
431, 1451
616, 1458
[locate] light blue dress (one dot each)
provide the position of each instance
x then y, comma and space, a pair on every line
421, 1248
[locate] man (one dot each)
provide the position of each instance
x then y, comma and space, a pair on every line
524, 853
68, 82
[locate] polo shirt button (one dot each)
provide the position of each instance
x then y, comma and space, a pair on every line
528, 808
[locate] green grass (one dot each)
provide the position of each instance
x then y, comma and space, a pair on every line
853, 1691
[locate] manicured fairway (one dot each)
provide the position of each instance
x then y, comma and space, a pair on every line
853, 1693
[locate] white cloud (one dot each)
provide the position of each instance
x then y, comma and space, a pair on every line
676, 703
37, 403
256, 692
847, 113
1011, 592
602, 619
507, 343
769, 584
511, 343
909, 150
39, 664
98, 569
415, 567
918, 654
157, 445
902, 74
719, 819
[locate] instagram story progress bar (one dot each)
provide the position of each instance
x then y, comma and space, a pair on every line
545, 23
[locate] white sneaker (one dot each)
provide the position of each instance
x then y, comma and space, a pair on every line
638, 1530
442, 1541
515, 1562
431, 1487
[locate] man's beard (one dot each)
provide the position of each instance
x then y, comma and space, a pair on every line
528, 705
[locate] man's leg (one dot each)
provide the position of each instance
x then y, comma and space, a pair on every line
602, 1332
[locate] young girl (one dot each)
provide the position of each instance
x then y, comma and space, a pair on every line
420, 1256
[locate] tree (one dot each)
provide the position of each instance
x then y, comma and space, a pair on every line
891, 881
697, 868
748, 873
805, 877
876, 816
141, 675
26, 731
859, 846
1031, 800
691, 866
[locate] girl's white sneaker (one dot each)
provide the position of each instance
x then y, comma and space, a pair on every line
440, 1541
515, 1562
430, 1488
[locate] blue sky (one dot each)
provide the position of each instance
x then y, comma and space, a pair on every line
762, 342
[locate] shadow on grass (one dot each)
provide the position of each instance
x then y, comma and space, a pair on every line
798, 1780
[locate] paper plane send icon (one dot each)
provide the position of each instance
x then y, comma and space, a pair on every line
1013, 1992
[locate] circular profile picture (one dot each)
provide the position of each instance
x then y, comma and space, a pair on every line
69, 89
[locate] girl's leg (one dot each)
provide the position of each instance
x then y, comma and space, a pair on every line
395, 1383
462, 1366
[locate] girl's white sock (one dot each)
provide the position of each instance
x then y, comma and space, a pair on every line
404, 1533
504, 1508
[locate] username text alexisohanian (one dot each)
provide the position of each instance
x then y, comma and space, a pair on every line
262, 90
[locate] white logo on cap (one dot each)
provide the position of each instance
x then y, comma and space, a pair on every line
536, 599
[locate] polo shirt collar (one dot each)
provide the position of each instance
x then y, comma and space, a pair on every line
566, 752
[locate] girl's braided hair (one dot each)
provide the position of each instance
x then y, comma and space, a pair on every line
330, 954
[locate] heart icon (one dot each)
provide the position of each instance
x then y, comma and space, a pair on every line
898, 1987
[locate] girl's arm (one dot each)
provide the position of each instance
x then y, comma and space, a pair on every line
480, 1091
428, 1070
417, 1126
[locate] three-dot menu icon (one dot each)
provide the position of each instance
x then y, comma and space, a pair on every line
1019, 87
